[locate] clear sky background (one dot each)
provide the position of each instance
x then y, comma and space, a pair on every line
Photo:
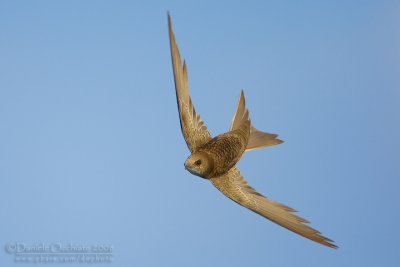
91, 150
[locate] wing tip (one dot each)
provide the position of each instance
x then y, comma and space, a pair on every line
169, 16
329, 243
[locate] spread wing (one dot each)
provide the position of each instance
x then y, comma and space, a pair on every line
193, 129
234, 186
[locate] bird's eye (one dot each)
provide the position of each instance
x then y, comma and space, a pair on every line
197, 162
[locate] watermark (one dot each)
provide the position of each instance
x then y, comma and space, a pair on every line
59, 253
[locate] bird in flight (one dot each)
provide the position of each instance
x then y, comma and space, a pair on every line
215, 158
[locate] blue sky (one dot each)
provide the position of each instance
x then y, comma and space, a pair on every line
91, 151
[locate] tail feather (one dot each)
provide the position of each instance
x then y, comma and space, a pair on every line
241, 113
257, 139
260, 139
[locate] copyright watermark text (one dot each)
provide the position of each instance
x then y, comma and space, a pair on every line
59, 253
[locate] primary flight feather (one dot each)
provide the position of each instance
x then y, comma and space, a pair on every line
215, 158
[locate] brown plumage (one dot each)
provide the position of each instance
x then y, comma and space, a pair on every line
215, 158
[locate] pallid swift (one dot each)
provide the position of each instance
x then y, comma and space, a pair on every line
215, 158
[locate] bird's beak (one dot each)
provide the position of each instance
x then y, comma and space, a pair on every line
187, 165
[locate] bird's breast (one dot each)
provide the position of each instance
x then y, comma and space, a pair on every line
225, 150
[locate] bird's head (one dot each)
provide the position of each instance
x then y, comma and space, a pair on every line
200, 164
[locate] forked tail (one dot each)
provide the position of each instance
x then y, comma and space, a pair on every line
257, 139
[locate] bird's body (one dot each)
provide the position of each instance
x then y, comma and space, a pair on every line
223, 152
215, 158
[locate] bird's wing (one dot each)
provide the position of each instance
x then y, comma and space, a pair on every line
234, 186
193, 129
